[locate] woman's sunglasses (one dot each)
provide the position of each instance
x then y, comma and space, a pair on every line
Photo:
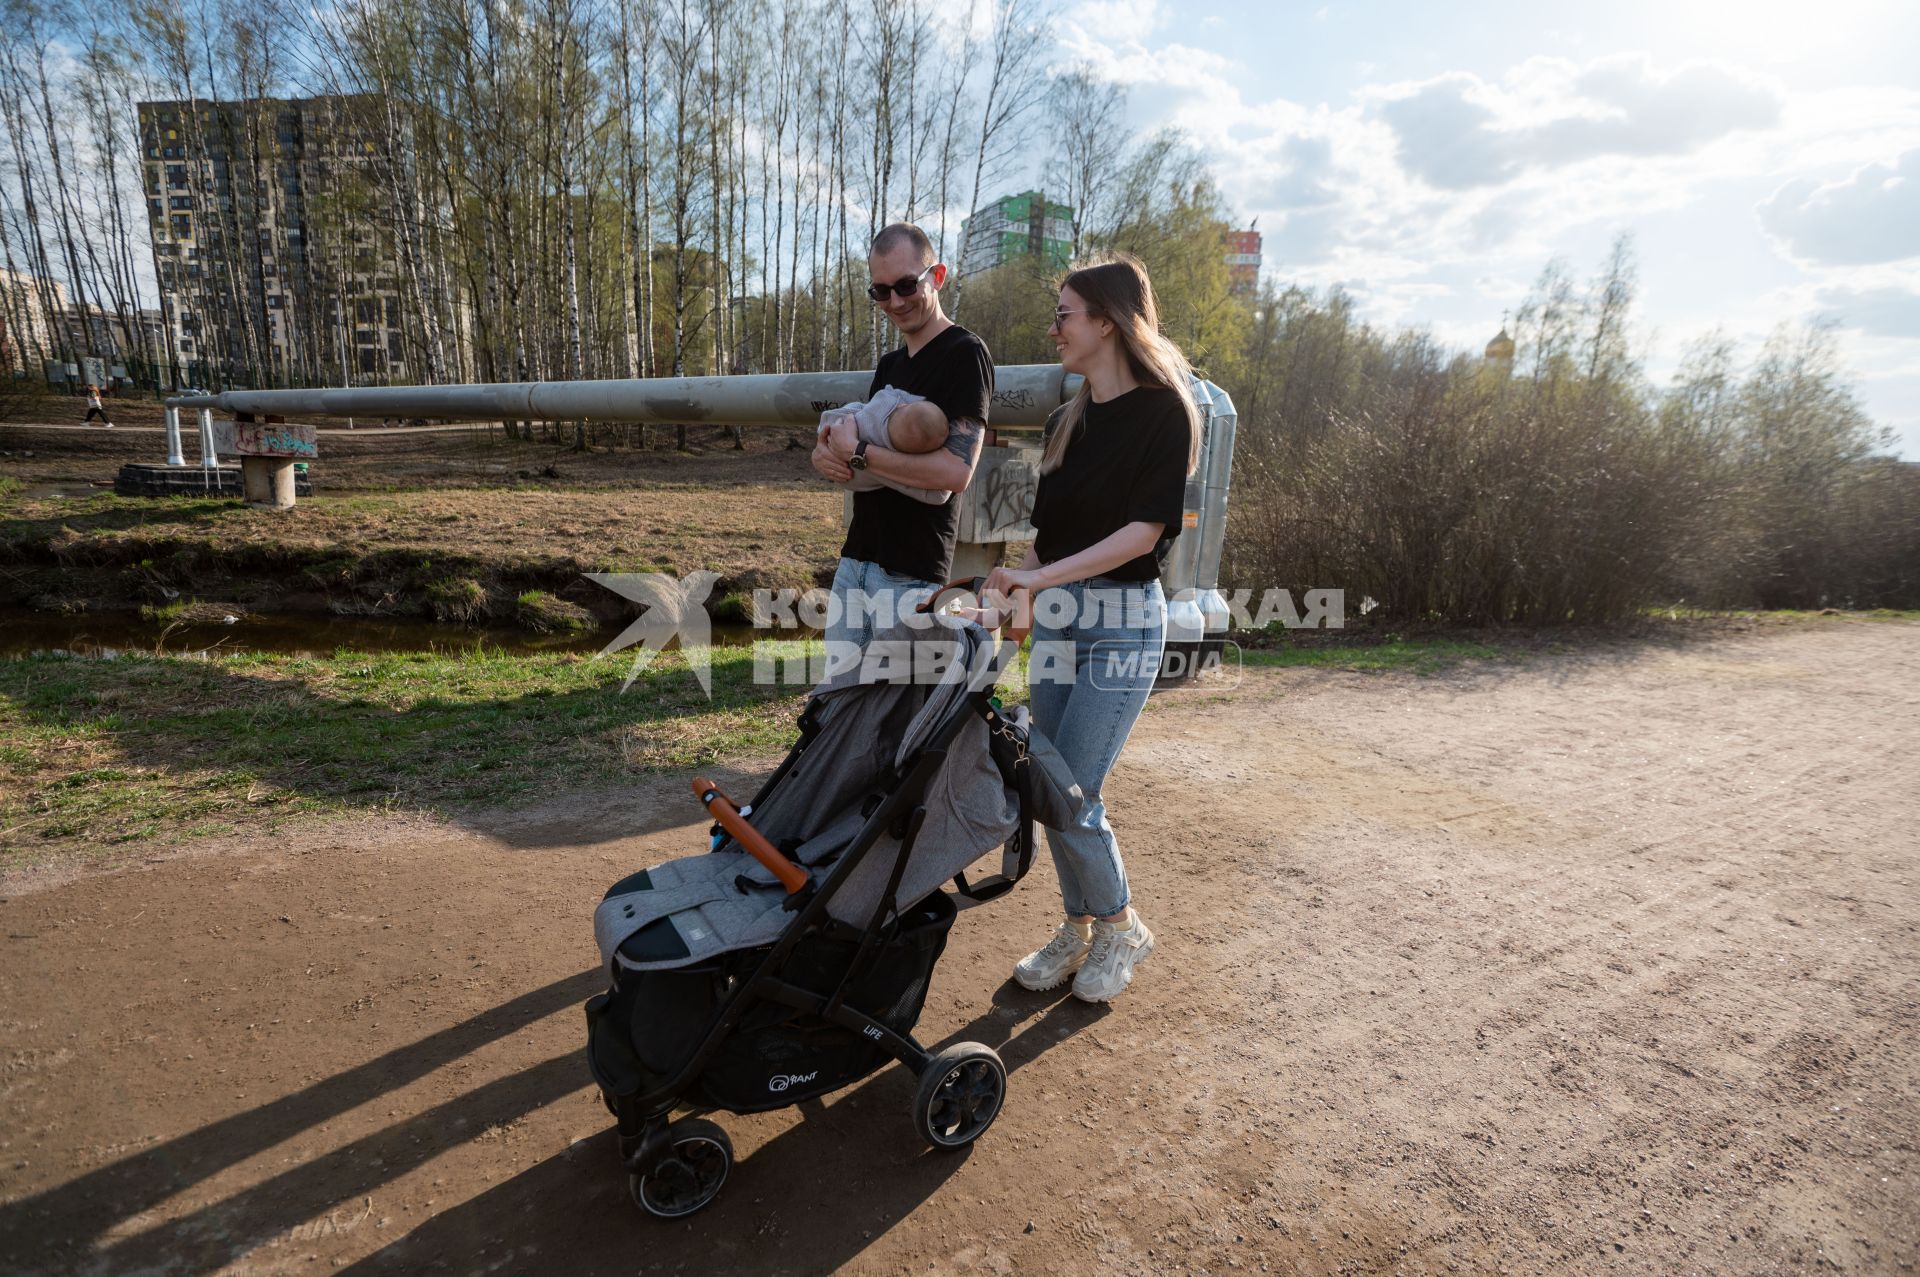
904, 287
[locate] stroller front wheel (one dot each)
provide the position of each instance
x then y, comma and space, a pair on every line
960, 1093
689, 1177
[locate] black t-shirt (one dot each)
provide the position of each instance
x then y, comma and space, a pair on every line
905, 536
1126, 464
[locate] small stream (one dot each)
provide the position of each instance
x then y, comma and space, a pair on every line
108, 634
66, 489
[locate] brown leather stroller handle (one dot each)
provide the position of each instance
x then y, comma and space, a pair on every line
970, 584
791, 876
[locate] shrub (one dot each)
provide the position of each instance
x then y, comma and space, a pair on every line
1564, 488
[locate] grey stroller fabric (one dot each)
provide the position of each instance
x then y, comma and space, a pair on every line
872, 719
1040, 776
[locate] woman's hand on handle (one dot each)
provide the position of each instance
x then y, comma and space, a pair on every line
1009, 593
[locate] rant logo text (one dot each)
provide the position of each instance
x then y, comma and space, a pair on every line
781, 1081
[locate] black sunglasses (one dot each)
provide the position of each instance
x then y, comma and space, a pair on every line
904, 287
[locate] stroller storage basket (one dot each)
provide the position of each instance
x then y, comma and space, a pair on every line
775, 1056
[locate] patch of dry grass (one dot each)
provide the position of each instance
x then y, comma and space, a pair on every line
96, 753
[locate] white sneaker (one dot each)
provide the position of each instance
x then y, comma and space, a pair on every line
1048, 968
1111, 959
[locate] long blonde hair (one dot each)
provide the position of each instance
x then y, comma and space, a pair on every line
1118, 291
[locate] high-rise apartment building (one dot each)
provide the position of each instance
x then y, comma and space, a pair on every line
27, 303
41, 332
276, 258
1013, 227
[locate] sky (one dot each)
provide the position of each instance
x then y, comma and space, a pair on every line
1430, 159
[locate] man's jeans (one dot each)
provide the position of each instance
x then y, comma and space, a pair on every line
865, 594
1090, 672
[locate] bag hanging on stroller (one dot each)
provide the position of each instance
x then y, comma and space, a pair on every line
794, 958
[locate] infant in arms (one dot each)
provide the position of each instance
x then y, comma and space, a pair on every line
897, 420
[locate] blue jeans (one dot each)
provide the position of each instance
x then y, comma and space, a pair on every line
859, 590
1090, 673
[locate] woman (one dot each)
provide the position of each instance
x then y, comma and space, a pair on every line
94, 407
1109, 502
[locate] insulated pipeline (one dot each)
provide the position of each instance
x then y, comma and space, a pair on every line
1023, 395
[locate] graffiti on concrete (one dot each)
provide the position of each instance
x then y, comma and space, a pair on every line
266, 439
1011, 399
1008, 497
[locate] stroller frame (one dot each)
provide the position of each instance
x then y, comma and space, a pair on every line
650, 1139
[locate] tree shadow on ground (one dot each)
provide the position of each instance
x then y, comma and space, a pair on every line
20, 531
826, 1186
810, 1199
104, 1202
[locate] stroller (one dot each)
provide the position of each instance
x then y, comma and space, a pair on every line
794, 957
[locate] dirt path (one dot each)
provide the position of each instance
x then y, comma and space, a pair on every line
1601, 964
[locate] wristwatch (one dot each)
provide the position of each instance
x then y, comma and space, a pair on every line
858, 460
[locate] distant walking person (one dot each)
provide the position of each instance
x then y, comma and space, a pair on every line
93, 407
899, 545
1113, 478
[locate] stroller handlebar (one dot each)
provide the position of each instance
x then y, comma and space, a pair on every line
791, 876
966, 584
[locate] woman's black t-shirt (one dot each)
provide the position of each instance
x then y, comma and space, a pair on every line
1126, 464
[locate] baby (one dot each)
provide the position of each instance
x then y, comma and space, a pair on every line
897, 420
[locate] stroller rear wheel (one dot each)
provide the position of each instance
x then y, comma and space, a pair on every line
960, 1093
689, 1177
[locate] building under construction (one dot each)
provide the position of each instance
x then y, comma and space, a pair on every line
1015, 227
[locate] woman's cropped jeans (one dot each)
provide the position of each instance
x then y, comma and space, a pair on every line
1096, 652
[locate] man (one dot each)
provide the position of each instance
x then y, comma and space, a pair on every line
898, 547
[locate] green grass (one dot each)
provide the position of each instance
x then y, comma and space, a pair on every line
460, 599
1781, 614
98, 752
1394, 655
540, 611
1828, 614
149, 749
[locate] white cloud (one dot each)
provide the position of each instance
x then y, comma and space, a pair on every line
1445, 168
1879, 312
1435, 201
1457, 131
1871, 216
1098, 18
